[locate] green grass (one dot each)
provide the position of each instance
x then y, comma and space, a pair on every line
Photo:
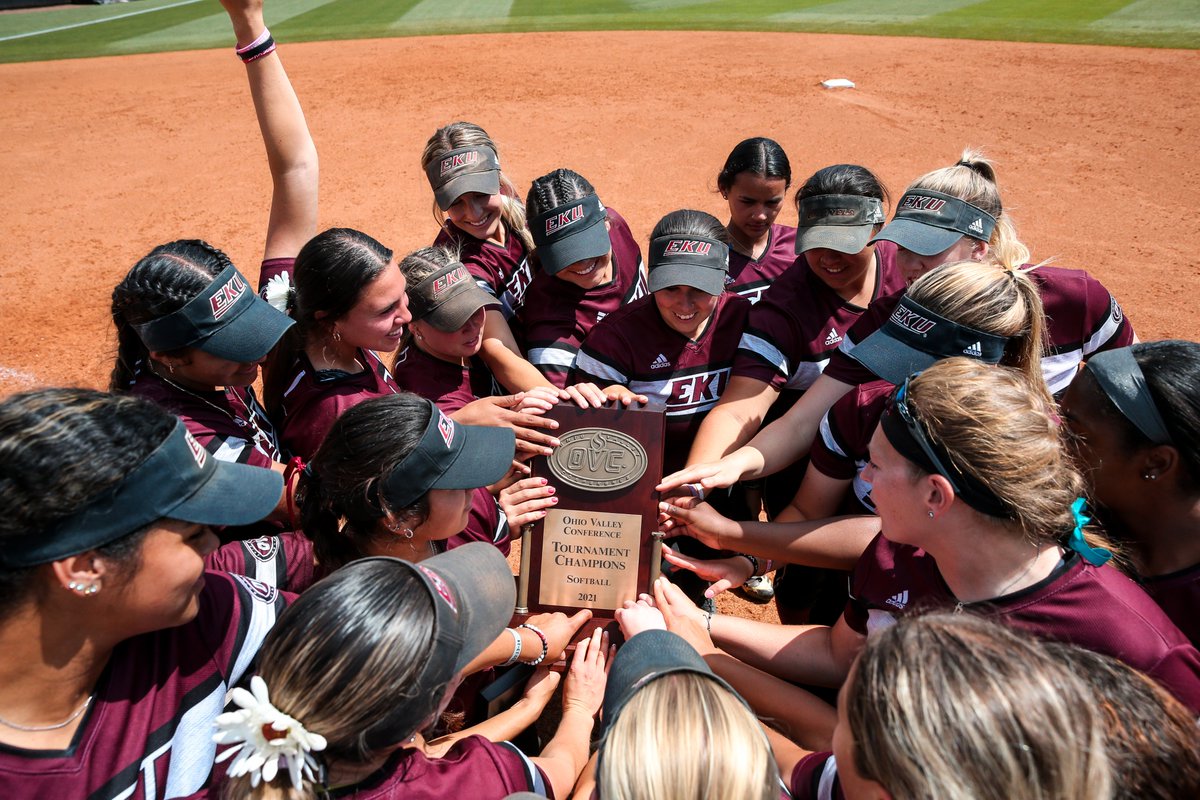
202, 24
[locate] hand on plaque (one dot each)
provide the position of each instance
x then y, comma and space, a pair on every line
683, 616
584, 689
559, 629
640, 615
526, 501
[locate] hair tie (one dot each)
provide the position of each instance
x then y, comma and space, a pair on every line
1096, 556
265, 736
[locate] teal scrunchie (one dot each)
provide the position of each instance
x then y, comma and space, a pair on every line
1096, 556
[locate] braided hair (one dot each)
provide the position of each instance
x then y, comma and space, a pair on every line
555, 189
163, 281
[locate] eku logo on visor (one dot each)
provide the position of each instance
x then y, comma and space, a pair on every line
446, 428
224, 298
458, 160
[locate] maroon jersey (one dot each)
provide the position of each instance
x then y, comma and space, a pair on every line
1178, 594
1081, 318
270, 268
636, 348
313, 399
473, 767
449, 386
502, 271
148, 732
486, 523
230, 423
284, 561
800, 323
815, 777
1096, 608
841, 448
750, 277
557, 314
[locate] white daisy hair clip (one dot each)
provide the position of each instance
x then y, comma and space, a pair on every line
279, 291
265, 736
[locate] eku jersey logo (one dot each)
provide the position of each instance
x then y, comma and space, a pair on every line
457, 161
564, 218
223, 299
696, 392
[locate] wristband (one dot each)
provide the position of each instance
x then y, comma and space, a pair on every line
264, 45
262, 37
516, 654
753, 563
545, 643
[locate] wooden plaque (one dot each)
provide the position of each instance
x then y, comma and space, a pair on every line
599, 545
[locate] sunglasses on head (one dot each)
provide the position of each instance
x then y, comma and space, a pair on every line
900, 403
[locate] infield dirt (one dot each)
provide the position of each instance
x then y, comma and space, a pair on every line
103, 159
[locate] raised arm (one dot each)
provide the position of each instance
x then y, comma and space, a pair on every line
291, 154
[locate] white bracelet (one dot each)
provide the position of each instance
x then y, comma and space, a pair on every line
516, 648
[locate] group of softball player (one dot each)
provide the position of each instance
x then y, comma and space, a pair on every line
978, 492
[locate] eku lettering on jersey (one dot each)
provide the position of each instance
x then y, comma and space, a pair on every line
691, 393
517, 284
223, 299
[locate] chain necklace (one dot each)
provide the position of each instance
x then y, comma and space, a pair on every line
958, 607
741, 247
38, 728
261, 439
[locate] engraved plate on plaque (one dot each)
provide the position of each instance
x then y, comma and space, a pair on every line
598, 460
589, 558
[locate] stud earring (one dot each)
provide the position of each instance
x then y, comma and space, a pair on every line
75, 586
91, 589
337, 336
1149, 476
931, 515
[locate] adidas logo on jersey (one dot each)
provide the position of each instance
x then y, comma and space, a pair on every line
662, 362
833, 338
975, 351
898, 600
976, 226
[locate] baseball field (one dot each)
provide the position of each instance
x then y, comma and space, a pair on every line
122, 128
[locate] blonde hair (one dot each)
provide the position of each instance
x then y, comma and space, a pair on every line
995, 299
999, 428
973, 179
468, 134
954, 706
718, 749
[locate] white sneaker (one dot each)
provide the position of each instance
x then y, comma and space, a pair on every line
759, 587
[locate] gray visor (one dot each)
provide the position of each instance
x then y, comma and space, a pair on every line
694, 261
570, 233
838, 222
463, 170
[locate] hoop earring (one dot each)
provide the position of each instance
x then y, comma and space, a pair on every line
407, 533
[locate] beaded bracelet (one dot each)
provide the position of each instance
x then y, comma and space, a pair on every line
516, 654
545, 643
